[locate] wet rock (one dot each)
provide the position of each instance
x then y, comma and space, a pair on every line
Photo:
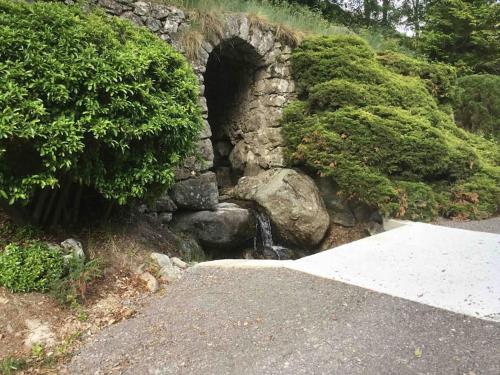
277, 253
199, 193
227, 226
292, 201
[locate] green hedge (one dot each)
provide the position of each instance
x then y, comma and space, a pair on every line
382, 135
90, 100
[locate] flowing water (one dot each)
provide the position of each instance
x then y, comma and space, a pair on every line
265, 235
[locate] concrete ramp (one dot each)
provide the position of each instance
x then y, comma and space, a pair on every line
453, 269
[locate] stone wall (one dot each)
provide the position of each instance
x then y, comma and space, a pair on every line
252, 128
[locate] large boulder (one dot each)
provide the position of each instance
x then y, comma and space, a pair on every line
228, 226
197, 193
337, 207
292, 201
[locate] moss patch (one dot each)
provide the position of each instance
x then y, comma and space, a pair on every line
377, 126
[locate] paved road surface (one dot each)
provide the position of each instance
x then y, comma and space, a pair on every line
280, 321
489, 225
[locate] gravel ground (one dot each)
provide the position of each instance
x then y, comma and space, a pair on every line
489, 225
278, 321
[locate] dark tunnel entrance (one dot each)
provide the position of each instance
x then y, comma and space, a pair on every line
229, 77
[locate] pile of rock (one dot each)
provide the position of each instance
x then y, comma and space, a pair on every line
170, 269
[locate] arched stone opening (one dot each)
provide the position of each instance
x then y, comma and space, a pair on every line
230, 76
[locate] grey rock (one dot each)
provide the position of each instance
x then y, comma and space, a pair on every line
73, 248
202, 160
162, 260
170, 26
133, 17
113, 6
292, 201
227, 226
337, 207
179, 263
206, 131
165, 217
364, 213
141, 8
189, 248
153, 24
159, 11
165, 204
199, 193
373, 228
170, 273
344, 218
151, 282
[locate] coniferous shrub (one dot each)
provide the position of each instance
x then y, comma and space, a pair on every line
381, 134
88, 100
439, 78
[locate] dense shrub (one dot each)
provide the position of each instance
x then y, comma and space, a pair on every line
381, 135
32, 267
439, 78
89, 100
477, 104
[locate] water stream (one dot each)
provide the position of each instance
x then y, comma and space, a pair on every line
265, 235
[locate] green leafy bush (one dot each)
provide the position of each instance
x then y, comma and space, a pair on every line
32, 267
382, 136
477, 104
89, 100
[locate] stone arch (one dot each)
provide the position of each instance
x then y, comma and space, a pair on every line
249, 68
231, 71
256, 138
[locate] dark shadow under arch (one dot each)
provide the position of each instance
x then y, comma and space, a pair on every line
229, 77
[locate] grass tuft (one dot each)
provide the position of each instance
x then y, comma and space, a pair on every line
295, 17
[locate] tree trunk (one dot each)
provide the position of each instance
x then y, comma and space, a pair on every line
386, 4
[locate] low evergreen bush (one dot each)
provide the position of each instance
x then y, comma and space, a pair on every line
439, 78
88, 100
382, 135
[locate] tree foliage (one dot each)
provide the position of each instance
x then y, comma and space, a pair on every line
464, 33
477, 104
88, 100
375, 125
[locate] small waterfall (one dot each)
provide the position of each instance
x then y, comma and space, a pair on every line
264, 233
